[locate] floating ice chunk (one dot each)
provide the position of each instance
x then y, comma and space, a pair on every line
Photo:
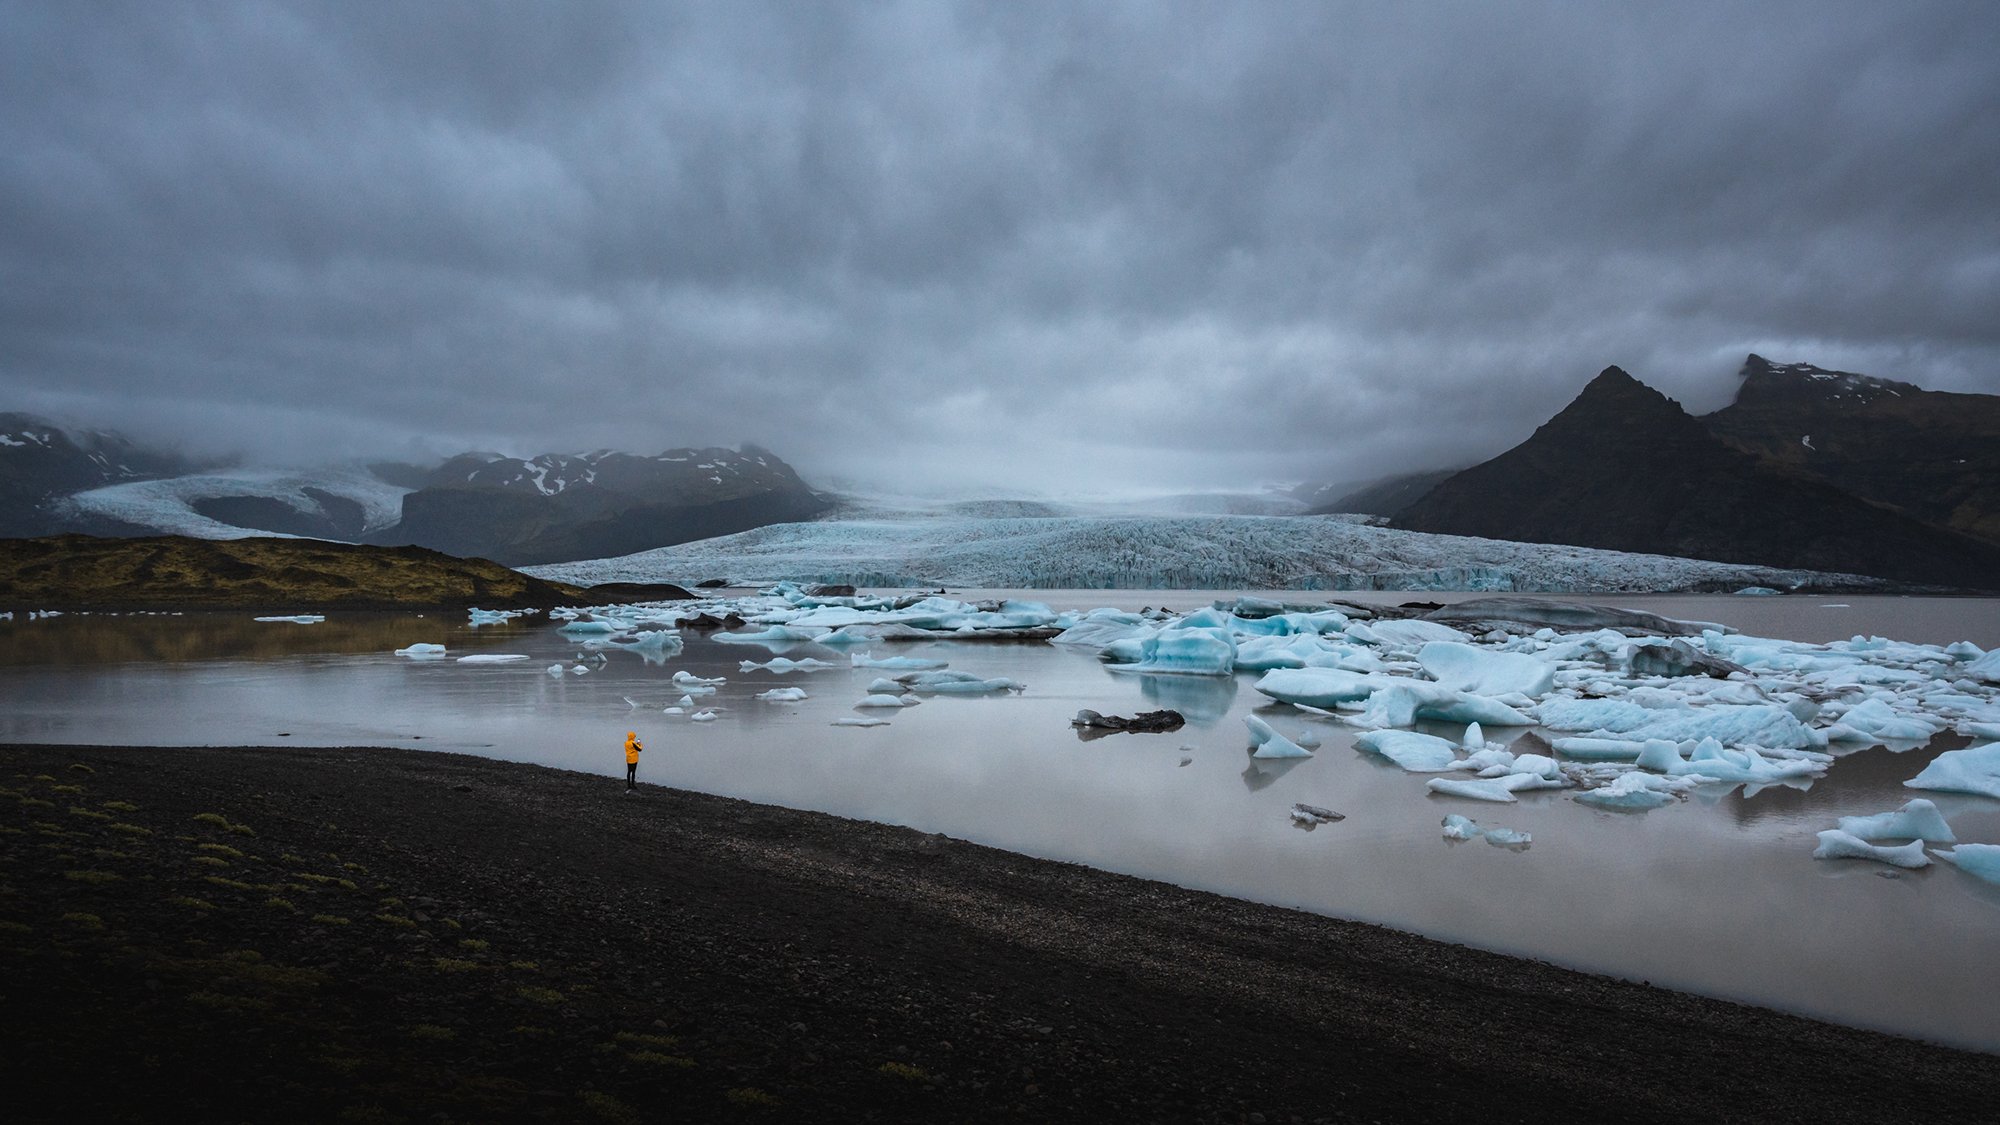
958, 683
591, 625
1318, 687
1981, 730
1875, 721
674, 710
1415, 752
1982, 860
1964, 650
882, 685
480, 617
1474, 790
859, 721
1308, 739
298, 619
1975, 769
850, 635
684, 701
422, 652
493, 658
1631, 791
1489, 761
783, 695
554, 669
702, 717
1100, 627
1601, 749
1185, 652
1257, 654
1661, 755
1507, 838
781, 665
1756, 592
1269, 743
1985, 668
1475, 739
686, 677
1462, 667
1835, 844
1404, 702
579, 670
1457, 827
900, 663
1916, 820
774, 635
886, 700
1406, 634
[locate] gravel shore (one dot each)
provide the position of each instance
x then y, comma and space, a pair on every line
284, 934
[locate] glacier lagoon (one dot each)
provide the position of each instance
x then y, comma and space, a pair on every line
1717, 893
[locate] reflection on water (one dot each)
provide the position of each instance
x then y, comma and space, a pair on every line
1717, 894
86, 639
1201, 698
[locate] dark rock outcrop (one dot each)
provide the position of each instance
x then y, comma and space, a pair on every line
41, 463
1623, 467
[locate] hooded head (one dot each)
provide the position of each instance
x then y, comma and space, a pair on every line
631, 734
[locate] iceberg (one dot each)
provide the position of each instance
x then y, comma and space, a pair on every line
687, 678
1630, 791
1985, 668
422, 652
1461, 667
1457, 827
1474, 790
958, 683
1318, 687
1417, 753
885, 701
702, 717
1982, 860
1916, 820
781, 665
1975, 769
774, 636
859, 721
1402, 702
1188, 651
783, 695
1269, 743
493, 658
1835, 844
297, 619
1875, 721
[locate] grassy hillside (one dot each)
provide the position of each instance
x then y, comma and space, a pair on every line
171, 572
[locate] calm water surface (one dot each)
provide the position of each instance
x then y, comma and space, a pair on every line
1718, 894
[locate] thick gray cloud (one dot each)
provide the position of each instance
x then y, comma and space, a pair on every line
1081, 246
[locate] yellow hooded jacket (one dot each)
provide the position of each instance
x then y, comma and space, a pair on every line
632, 748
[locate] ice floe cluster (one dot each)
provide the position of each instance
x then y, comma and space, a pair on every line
1629, 713
1617, 709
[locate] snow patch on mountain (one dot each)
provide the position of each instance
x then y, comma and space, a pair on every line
1162, 552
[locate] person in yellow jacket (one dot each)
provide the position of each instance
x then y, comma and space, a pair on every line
632, 748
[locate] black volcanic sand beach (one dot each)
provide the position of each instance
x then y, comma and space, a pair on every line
220, 935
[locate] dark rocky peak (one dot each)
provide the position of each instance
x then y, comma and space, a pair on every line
1614, 407
1765, 382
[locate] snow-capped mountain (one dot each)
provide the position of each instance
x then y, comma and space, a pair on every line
41, 464
556, 507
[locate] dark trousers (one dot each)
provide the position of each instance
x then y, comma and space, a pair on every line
631, 775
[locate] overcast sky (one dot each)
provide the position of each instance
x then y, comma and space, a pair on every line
1078, 246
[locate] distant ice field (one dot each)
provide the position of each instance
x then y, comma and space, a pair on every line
1162, 552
